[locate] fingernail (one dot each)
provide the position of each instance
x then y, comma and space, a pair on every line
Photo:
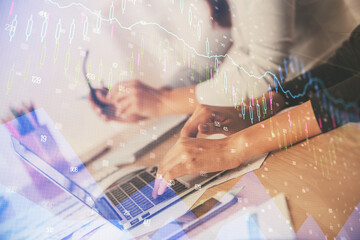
155, 190
154, 194
162, 187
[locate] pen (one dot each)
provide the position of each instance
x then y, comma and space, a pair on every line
106, 108
253, 226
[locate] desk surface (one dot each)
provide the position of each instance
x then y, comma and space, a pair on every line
320, 177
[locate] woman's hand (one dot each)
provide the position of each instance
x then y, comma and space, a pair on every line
133, 101
210, 120
228, 120
196, 155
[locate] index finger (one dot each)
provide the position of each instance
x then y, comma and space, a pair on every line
166, 171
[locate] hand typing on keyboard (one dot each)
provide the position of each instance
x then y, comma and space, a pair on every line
196, 155
134, 197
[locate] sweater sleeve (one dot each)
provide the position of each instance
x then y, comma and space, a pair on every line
338, 104
263, 36
332, 87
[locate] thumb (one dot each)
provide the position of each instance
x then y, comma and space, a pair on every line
189, 130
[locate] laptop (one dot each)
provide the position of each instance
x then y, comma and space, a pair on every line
128, 201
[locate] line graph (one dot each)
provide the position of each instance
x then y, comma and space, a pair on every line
277, 82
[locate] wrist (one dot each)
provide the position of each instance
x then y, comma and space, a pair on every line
165, 107
238, 144
177, 101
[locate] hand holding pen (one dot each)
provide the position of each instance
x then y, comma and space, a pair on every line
103, 105
129, 101
97, 97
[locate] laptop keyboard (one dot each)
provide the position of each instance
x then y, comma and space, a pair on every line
135, 196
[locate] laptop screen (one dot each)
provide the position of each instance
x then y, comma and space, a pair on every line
52, 174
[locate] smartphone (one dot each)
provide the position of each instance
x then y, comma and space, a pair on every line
197, 216
107, 109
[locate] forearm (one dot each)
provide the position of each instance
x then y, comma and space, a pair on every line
179, 101
257, 110
280, 131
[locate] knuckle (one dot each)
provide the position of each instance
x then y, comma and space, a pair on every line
171, 174
188, 165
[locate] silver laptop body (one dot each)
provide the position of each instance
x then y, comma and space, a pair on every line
127, 202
